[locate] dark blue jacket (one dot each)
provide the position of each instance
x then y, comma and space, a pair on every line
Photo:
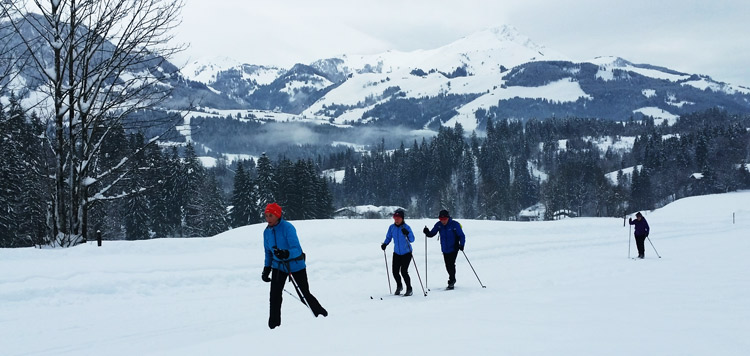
400, 244
641, 227
284, 237
451, 235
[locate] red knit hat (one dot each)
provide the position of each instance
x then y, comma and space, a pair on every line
274, 209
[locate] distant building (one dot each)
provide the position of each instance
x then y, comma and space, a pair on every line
367, 212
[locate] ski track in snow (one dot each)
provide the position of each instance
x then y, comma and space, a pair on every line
557, 287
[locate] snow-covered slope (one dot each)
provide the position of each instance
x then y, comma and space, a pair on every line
484, 56
206, 70
482, 53
498, 73
552, 288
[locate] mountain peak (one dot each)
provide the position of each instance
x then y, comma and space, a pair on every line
502, 33
507, 32
204, 69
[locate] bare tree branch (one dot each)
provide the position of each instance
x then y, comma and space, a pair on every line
98, 62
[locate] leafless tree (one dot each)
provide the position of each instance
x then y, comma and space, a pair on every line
99, 61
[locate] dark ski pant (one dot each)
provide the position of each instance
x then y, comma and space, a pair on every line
640, 244
401, 264
450, 265
278, 279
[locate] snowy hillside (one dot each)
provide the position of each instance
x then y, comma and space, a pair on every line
485, 56
553, 288
482, 53
206, 70
497, 71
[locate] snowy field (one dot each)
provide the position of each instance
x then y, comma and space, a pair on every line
553, 288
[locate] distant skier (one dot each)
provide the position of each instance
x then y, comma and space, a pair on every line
284, 255
452, 239
641, 233
402, 237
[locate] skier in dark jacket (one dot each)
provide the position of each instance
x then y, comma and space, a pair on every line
641, 233
452, 239
402, 237
284, 259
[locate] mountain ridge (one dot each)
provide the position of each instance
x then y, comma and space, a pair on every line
496, 73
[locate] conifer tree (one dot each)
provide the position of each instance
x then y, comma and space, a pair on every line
136, 206
156, 177
10, 182
288, 193
191, 183
266, 183
244, 207
213, 219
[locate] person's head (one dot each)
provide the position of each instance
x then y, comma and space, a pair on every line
272, 213
638, 215
444, 216
398, 216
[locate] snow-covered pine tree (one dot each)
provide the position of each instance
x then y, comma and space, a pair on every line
173, 199
324, 200
10, 182
307, 181
266, 182
36, 182
136, 205
241, 203
288, 189
190, 185
467, 186
213, 218
155, 178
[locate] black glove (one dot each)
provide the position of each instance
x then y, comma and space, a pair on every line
281, 254
383, 246
630, 220
426, 230
405, 231
266, 272
461, 247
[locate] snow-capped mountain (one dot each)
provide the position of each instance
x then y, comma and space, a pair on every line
487, 52
496, 73
229, 76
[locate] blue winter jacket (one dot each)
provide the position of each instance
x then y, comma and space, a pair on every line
451, 235
401, 243
284, 237
641, 227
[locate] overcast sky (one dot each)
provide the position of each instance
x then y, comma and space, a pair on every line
694, 36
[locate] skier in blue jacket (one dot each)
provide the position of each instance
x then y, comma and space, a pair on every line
402, 237
452, 240
641, 233
284, 259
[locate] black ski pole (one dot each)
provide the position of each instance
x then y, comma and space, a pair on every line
472, 268
296, 288
390, 291
652, 245
293, 296
420, 278
629, 229
415, 264
425, 263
